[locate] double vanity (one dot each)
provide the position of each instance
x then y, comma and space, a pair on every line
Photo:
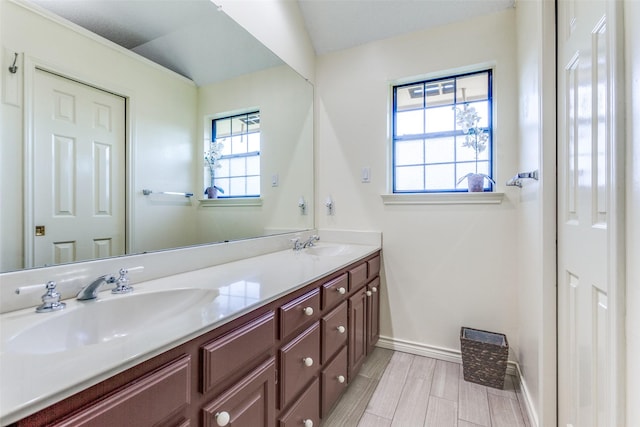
272, 339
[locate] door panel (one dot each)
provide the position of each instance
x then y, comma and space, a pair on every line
586, 192
79, 184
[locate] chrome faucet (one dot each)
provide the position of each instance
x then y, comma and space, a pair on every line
90, 291
310, 241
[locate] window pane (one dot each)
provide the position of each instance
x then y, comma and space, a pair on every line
226, 145
253, 165
237, 125
410, 123
410, 178
237, 186
440, 119
465, 168
440, 92
473, 87
238, 166
224, 169
409, 152
224, 184
222, 128
239, 144
409, 97
254, 142
440, 150
438, 177
253, 185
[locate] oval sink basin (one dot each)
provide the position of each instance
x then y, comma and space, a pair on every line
329, 250
101, 321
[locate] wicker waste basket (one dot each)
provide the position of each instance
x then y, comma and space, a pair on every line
484, 357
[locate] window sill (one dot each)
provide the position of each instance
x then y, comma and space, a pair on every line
486, 198
248, 201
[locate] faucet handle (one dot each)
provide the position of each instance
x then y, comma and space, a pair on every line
51, 299
297, 245
122, 284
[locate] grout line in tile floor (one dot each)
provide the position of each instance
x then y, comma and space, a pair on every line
405, 390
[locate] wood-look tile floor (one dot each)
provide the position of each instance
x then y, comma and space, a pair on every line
404, 390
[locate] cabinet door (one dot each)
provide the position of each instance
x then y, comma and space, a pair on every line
357, 331
373, 314
158, 398
250, 402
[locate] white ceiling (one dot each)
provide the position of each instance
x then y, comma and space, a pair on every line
194, 39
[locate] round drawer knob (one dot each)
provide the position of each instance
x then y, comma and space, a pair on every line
223, 418
341, 329
308, 311
307, 361
374, 289
369, 293
342, 290
341, 379
307, 423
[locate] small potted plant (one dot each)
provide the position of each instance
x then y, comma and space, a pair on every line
212, 158
476, 139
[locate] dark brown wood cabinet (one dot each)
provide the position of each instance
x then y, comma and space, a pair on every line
284, 363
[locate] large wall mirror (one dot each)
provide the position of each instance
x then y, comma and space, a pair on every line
216, 69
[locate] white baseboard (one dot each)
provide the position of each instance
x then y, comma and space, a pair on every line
451, 355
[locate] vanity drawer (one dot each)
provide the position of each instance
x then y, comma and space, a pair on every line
299, 313
249, 402
334, 331
305, 408
373, 267
299, 361
357, 277
236, 351
153, 399
335, 291
334, 381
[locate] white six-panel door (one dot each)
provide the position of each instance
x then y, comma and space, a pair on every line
79, 171
588, 190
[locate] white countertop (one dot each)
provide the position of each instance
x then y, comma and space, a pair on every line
30, 382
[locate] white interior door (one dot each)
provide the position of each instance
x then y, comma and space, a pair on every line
79, 171
588, 219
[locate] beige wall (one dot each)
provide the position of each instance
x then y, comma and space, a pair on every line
285, 102
162, 125
445, 266
632, 42
536, 277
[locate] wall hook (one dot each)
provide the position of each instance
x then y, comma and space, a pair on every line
329, 204
14, 68
302, 205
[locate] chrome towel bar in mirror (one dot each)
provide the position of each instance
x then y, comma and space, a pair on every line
171, 193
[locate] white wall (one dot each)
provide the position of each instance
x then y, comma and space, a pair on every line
445, 266
285, 101
285, 32
536, 250
632, 56
162, 125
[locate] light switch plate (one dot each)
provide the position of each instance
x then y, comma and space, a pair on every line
366, 174
275, 180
